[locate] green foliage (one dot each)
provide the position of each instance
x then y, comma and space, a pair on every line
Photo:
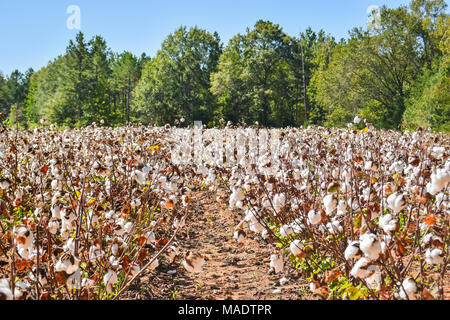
176, 83
395, 76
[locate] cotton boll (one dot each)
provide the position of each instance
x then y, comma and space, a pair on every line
374, 281
276, 263
109, 280
139, 177
279, 202
434, 256
314, 217
408, 289
67, 263
296, 247
5, 290
286, 230
193, 262
360, 269
69, 246
387, 223
330, 203
74, 281
239, 235
357, 120
370, 245
353, 252
334, 227
438, 181
396, 202
95, 252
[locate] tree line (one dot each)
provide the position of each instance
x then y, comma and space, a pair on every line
395, 74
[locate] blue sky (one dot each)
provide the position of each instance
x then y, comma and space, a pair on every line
33, 32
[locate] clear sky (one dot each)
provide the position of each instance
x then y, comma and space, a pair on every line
33, 32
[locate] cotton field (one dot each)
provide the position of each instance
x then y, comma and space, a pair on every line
85, 212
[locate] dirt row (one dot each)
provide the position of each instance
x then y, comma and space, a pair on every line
232, 270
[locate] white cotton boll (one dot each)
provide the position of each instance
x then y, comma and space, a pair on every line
69, 246
276, 263
150, 236
438, 181
5, 291
434, 256
193, 262
314, 217
109, 280
95, 252
256, 226
114, 262
23, 252
408, 289
67, 263
396, 202
139, 177
374, 281
179, 222
135, 203
265, 234
334, 227
74, 281
53, 226
283, 281
357, 120
134, 270
370, 245
296, 247
24, 237
279, 201
286, 230
387, 223
56, 184
128, 227
360, 269
330, 203
353, 252
239, 235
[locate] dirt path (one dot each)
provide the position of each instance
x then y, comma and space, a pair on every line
232, 270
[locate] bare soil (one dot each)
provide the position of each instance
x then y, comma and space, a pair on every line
233, 271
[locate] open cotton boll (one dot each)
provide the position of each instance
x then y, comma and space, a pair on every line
239, 235
387, 223
296, 247
353, 251
408, 289
5, 290
330, 203
74, 281
286, 230
396, 202
139, 177
67, 263
434, 256
334, 227
356, 120
69, 246
360, 269
193, 262
279, 201
276, 263
438, 181
314, 217
109, 280
370, 245
154, 264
